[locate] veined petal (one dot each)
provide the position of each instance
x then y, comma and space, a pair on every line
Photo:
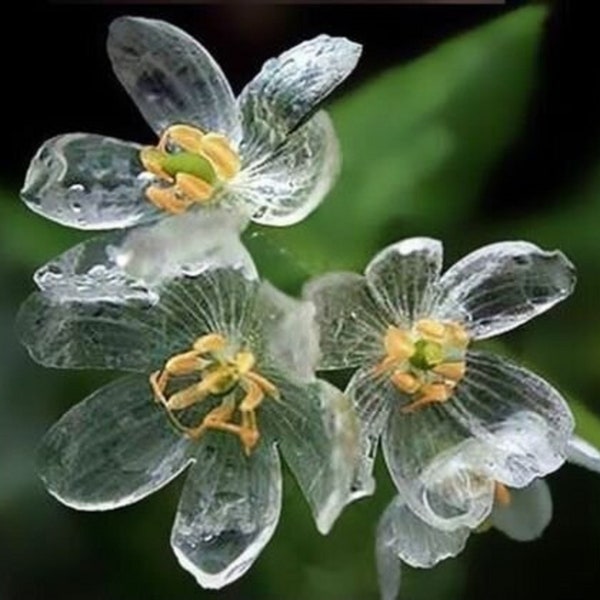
317, 432
503, 285
529, 420
527, 515
414, 541
289, 87
502, 424
290, 332
583, 454
171, 77
426, 457
373, 399
403, 278
184, 245
351, 327
112, 449
285, 186
228, 510
104, 335
389, 566
88, 181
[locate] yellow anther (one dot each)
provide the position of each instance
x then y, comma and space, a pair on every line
424, 361
217, 149
451, 370
502, 494
193, 188
428, 329
193, 164
221, 371
398, 343
406, 382
185, 137
167, 199
213, 342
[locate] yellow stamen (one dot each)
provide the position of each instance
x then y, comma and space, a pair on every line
189, 165
502, 494
220, 373
426, 361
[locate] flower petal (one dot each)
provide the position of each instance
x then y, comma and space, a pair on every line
287, 185
103, 335
228, 510
527, 515
289, 87
130, 265
528, 419
112, 449
414, 541
316, 430
88, 181
426, 457
503, 285
583, 454
171, 77
373, 398
502, 423
351, 328
403, 278
292, 338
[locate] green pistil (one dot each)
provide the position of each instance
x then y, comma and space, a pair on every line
427, 355
187, 162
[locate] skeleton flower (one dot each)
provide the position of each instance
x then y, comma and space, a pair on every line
522, 514
222, 384
458, 426
262, 153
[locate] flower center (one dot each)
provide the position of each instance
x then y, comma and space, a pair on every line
189, 165
220, 372
426, 362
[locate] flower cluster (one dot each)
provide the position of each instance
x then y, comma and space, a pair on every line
223, 366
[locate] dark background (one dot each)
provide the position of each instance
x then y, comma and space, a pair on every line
56, 79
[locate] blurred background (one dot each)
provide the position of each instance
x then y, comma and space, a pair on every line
469, 123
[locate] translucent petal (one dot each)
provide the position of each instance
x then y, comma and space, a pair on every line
503, 424
351, 326
87, 273
89, 182
373, 399
403, 278
290, 331
389, 566
285, 186
425, 455
414, 541
583, 454
171, 77
503, 285
102, 335
527, 515
219, 300
112, 449
228, 510
316, 430
529, 420
289, 87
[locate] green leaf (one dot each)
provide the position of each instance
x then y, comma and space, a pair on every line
587, 423
419, 143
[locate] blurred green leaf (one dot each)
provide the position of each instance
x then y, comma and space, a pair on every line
420, 141
587, 422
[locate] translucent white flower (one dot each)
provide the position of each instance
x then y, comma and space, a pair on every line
264, 153
521, 514
455, 423
222, 384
